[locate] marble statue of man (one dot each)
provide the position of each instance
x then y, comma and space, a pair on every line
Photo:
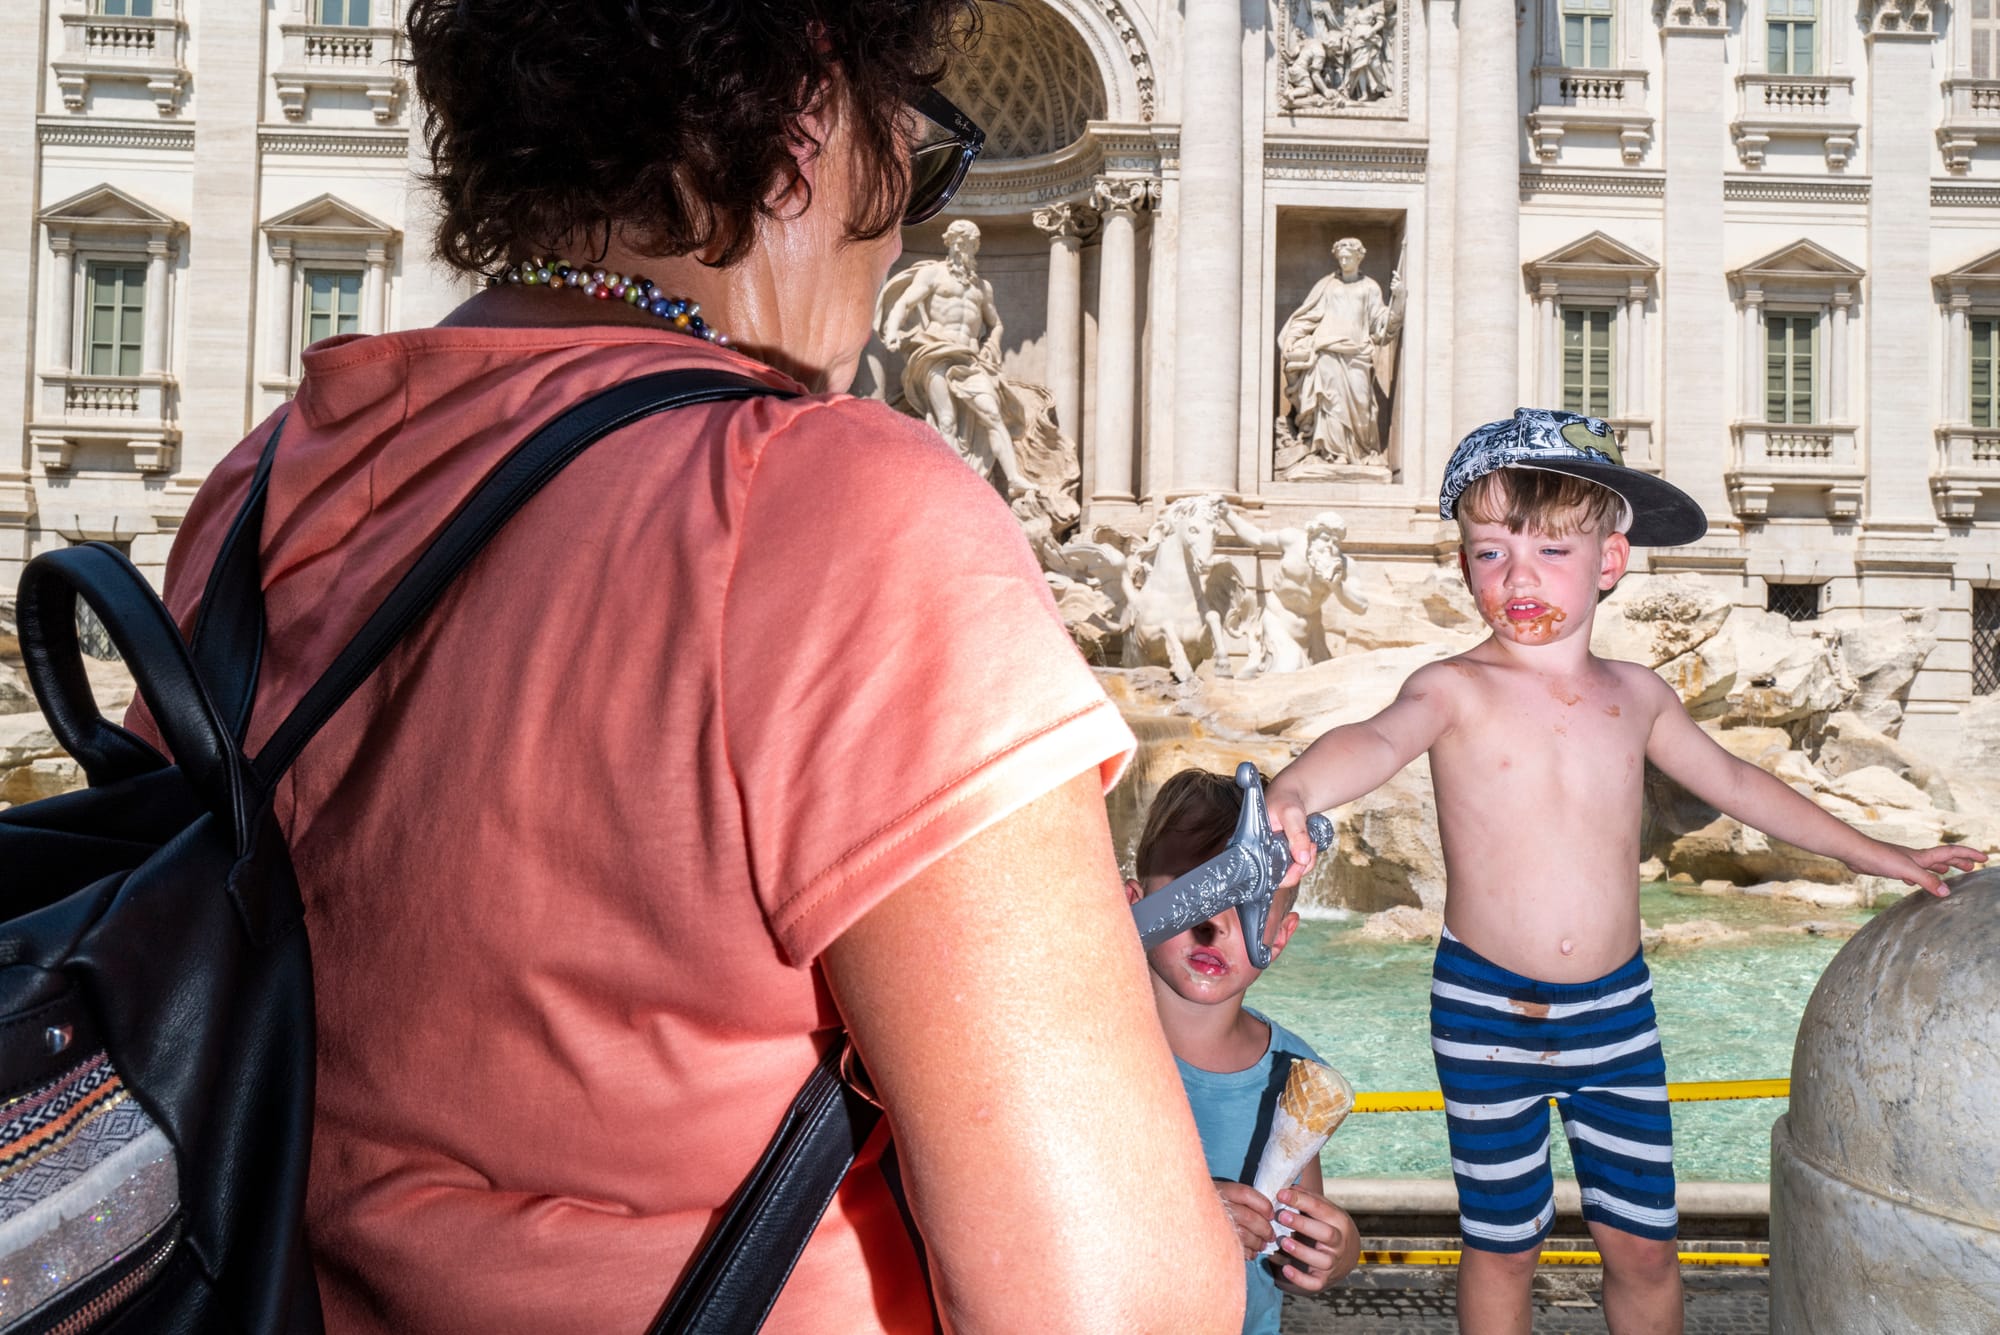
1311, 568
1333, 352
941, 315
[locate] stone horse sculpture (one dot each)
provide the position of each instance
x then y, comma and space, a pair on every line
1180, 597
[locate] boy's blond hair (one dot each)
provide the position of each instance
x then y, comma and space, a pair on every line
1557, 504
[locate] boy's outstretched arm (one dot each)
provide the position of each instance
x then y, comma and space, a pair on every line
1737, 788
1357, 758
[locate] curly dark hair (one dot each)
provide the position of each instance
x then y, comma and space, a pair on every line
676, 120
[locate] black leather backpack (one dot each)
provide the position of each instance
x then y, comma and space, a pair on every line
156, 1000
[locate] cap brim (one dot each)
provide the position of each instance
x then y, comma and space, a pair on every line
1662, 514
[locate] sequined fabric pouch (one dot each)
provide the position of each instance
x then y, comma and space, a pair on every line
89, 1200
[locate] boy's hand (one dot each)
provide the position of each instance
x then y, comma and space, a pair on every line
1323, 1245
1288, 818
1249, 1212
1918, 866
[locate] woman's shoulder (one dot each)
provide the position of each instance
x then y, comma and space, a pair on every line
829, 450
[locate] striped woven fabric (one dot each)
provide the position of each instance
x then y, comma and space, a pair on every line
1505, 1045
85, 1178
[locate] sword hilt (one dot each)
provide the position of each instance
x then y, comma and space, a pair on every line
1244, 875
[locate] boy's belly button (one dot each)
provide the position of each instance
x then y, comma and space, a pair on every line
1568, 946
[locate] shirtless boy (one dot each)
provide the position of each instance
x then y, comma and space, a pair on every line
1538, 751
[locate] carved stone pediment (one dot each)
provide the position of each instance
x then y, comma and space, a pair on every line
1981, 276
329, 218
107, 206
1597, 259
1801, 262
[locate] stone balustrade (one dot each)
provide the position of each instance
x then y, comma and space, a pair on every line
1819, 459
1971, 118
1611, 101
149, 50
1965, 470
1795, 106
339, 58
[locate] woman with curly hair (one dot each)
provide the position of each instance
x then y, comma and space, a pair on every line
756, 725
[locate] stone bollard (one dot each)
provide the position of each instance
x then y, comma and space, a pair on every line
1885, 1173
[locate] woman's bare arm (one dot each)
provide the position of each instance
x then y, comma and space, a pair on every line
1001, 1004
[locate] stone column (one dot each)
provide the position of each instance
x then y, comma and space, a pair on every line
1632, 351
1958, 354
1548, 334
375, 292
1066, 225
1118, 202
1694, 418
1838, 406
62, 306
1900, 305
1486, 227
1209, 287
218, 368
153, 342
280, 336
1753, 406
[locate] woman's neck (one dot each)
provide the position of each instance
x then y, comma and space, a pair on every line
741, 301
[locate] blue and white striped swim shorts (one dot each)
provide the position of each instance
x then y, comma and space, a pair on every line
1505, 1045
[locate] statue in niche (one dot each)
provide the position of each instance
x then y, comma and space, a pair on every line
1311, 568
1335, 352
1341, 57
941, 315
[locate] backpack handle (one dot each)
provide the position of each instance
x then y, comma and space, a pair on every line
152, 647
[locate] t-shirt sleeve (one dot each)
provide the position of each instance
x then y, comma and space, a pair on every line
895, 675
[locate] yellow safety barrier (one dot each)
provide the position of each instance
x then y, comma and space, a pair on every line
1683, 1091
1754, 1259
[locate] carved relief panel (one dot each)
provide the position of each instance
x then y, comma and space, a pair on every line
1347, 58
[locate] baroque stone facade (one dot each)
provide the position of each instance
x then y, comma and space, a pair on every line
1764, 245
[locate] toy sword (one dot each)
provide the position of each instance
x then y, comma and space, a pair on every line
1244, 876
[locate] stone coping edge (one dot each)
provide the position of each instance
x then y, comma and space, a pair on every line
1418, 1195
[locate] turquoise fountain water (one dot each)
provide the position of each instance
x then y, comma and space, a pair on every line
1728, 1011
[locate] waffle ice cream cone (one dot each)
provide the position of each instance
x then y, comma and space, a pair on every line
1315, 1101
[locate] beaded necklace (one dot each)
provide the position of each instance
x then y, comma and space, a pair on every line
634, 290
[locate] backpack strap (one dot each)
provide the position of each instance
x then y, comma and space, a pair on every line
532, 465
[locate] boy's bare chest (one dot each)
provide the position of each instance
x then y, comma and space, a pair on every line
1569, 732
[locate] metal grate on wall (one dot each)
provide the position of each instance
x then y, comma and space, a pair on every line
1794, 602
1985, 641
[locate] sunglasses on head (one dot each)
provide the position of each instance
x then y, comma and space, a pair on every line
938, 166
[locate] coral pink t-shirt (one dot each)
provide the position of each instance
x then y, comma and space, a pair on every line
570, 855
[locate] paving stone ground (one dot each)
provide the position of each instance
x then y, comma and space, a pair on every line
1420, 1300
1388, 1303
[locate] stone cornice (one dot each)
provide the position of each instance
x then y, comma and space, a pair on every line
1794, 190
1132, 194
72, 133
334, 143
1901, 18
1072, 219
1625, 184
1704, 18
1951, 195
1316, 159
